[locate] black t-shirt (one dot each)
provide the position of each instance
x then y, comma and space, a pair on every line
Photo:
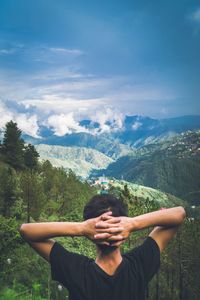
85, 280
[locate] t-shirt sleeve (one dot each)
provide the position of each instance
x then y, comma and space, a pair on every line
148, 255
66, 267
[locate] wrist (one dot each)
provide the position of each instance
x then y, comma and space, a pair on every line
71, 229
83, 228
134, 225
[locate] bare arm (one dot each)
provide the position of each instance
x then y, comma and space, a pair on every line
166, 217
166, 221
37, 232
38, 235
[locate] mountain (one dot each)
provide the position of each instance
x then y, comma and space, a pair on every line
109, 147
140, 131
79, 159
171, 166
137, 132
160, 153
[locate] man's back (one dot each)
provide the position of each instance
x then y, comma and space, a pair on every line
108, 226
85, 280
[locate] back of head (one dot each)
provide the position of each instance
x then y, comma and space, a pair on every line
100, 204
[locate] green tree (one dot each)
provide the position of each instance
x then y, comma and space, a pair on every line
126, 192
8, 190
31, 157
13, 146
32, 193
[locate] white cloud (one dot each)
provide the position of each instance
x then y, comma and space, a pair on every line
136, 125
91, 98
26, 122
53, 55
57, 87
6, 51
195, 16
109, 119
57, 74
64, 124
66, 51
164, 111
53, 104
6, 115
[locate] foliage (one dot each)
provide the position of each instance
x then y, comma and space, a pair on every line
13, 146
172, 167
8, 190
13, 150
31, 157
26, 268
46, 193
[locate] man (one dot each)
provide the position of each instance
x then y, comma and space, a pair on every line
112, 275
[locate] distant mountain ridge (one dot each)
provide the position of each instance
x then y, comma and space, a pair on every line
141, 131
79, 159
137, 132
109, 147
171, 166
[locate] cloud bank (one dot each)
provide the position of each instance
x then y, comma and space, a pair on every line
195, 16
64, 124
27, 122
32, 118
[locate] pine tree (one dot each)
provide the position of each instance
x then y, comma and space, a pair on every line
8, 190
13, 146
31, 157
32, 193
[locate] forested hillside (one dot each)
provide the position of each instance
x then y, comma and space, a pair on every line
31, 191
172, 167
145, 194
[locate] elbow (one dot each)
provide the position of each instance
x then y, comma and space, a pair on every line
181, 214
23, 230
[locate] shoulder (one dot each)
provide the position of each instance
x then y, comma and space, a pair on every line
147, 256
147, 253
60, 252
66, 265
148, 244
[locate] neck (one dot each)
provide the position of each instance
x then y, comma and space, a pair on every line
108, 259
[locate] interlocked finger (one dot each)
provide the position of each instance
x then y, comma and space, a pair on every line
102, 236
107, 215
115, 238
112, 230
103, 225
109, 218
113, 220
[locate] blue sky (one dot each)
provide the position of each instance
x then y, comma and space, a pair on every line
62, 61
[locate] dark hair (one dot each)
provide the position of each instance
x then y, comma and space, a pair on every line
100, 204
